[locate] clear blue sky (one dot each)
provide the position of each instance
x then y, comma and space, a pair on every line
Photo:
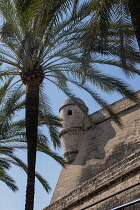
45, 165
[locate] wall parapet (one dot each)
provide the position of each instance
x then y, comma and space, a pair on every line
99, 182
118, 107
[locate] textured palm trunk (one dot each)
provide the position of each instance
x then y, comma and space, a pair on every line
32, 106
134, 8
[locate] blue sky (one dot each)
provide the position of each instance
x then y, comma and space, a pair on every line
48, 168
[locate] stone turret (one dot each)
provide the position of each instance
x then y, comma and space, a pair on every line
72, 130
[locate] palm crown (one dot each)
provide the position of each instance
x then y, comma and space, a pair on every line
60, 45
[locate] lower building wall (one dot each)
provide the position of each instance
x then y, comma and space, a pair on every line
117, 200
121, 175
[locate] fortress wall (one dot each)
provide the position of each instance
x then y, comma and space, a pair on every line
107, 144
103, 146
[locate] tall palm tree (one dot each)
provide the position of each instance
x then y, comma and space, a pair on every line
41, 40
12, 134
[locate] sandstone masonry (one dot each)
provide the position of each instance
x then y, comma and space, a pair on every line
103, 158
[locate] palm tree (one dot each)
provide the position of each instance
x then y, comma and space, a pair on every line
41, 40
12, 134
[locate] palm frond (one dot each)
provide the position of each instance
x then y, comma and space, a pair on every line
52, 122
4, 177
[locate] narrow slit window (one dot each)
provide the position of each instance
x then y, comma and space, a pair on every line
69, 112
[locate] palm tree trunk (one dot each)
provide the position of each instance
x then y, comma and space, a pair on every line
32, 106
134, 8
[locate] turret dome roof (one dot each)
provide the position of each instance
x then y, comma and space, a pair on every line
69, 101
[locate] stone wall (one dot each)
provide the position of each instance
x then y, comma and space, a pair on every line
111, 180
108, 160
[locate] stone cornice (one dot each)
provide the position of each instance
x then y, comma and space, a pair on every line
67, 130
99, 182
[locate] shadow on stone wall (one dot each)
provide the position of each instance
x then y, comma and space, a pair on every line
92, 152
94, 142
97, 153
102, 147
119, 153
